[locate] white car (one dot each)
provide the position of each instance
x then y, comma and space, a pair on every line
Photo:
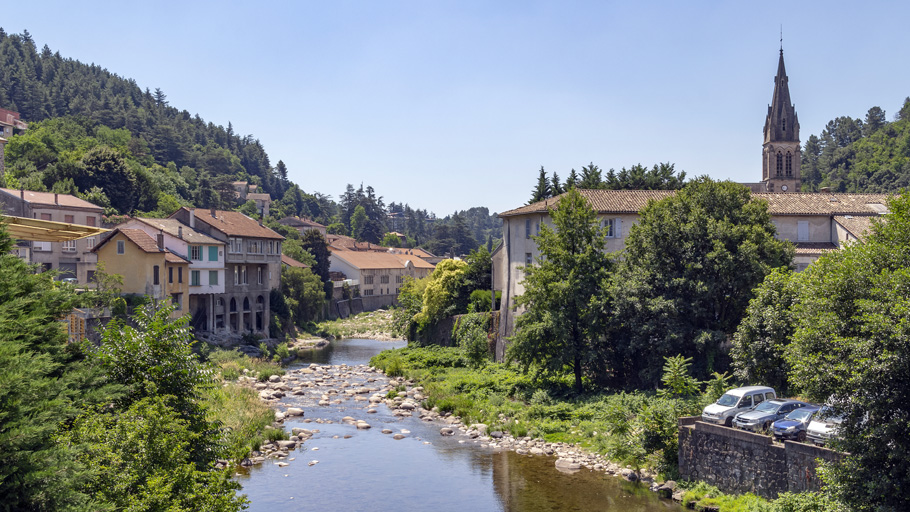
734, 402
823, 426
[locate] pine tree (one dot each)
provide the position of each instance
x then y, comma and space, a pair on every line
542, 190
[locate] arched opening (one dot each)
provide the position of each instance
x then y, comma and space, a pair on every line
780, 163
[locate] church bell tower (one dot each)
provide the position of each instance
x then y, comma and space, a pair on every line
780, 151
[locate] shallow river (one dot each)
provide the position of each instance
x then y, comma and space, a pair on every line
371, 471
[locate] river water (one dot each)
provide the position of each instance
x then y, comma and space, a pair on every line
366, 470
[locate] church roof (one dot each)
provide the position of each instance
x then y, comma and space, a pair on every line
781, 124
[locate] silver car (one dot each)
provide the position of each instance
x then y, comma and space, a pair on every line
764, 414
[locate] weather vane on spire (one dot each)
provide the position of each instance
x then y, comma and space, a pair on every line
782, 38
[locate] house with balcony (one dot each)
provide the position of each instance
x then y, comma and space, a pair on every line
72, 258
252, 263
147, 266
206, 266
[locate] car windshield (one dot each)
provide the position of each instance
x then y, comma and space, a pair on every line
728, 400
800, 414
767, 407
828, 416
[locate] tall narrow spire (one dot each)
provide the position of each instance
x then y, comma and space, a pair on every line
781, 151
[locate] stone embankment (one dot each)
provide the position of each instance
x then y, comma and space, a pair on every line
322, 386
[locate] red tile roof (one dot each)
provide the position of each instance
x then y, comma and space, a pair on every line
378, 260
291, 262
814, 248
50, 199
858, 226
142, 240
633, 201
234, 224
174, 227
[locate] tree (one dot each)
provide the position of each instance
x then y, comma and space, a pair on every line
590, 177
303, 293
559, 328
687, 275
106, 168
850, 350
761, 340
542, 190
314, 243
358, 221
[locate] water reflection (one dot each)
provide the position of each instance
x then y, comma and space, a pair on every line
370, 471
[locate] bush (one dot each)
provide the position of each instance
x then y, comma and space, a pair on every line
470, 333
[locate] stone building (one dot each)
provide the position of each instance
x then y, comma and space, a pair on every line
10, 125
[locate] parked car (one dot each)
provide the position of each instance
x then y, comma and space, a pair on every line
823, 426
794, 425
734, 402
764, 414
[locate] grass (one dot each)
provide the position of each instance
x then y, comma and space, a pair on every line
369, 324
232, 363
242, 415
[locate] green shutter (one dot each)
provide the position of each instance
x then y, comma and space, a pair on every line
213, 253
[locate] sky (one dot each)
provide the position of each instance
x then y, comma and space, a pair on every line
448, 105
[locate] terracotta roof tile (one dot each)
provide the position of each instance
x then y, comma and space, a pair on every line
812, 248
633, 201
260, 197
298, 222
142, 240
291, 262
377, 260
235, 224
51, 199
858, 225
174, 227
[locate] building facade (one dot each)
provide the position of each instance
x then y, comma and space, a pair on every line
74, 259
252, 262
379, 273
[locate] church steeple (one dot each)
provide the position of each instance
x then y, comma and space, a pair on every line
781, 151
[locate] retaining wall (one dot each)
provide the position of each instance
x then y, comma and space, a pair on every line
737, 461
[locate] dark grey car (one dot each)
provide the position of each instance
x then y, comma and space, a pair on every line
764, 414
794, 425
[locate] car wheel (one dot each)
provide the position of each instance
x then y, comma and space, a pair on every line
728, 422
801, 437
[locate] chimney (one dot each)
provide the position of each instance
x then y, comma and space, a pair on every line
192, 218
825, 190
180, 232
213, 214
161, 241
55, 198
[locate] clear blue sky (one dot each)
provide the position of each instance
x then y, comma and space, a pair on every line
453, 104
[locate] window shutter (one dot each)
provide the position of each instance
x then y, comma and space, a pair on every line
617, 233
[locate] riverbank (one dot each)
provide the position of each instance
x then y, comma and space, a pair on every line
374, 325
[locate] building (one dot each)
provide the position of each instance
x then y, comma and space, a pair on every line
206, 266
252, 263
378, 273
74, 259
302, 225
147, 266
10, 125
816, 223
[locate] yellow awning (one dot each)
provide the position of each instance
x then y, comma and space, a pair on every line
23, 228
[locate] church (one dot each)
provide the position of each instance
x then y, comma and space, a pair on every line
815, 222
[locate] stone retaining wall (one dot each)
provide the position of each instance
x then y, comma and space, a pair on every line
737, 461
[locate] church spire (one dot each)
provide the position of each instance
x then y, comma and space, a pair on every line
781, 151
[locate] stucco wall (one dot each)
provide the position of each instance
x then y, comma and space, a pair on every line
737, 461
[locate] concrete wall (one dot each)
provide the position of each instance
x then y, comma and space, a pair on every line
737, 461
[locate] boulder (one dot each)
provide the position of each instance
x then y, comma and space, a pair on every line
447, 431
294, 411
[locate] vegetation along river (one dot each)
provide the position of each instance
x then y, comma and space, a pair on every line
342, 467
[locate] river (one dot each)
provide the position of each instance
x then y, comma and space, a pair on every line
343, 468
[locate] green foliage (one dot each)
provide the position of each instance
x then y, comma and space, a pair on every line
142, 460
761, 339
390, 240
687, 274
676, 378
303, 293
440, 292
233, 362
242, 415
849, 349
559, 328
471, 334
410, 302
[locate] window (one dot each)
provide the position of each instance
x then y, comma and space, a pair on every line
90, 242
746, 401
367, 279
69, 246
802, 231
170, 274
41, 246
759, 398
90, 276
528, 228
179, 274
45, 216
789, 164
236, 246
528, 258
783, 123
68, 219
177, 299
368, 292
236, 274
256, 247
194, 278
397, 291
780, 163
213, 253
259, 272
213, 277
195, 253
243, 277
271, 247
90, 221
383, 279
155, 278
399, 279
608, 225
537, 228
121, 247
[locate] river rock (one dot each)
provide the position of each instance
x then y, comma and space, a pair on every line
274, 378
362, 425
398, 437
286, 445
567, 465
629, 475
294, 411
447, 431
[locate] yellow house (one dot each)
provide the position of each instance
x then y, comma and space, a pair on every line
147, 267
